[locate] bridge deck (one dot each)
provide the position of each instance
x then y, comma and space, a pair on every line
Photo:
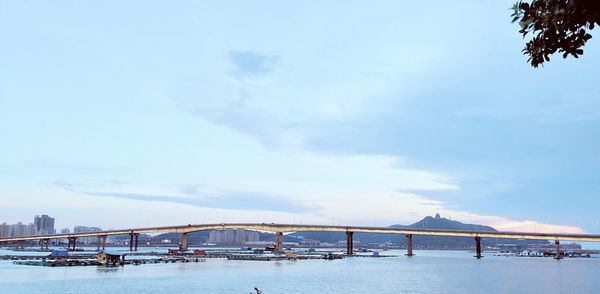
288, 228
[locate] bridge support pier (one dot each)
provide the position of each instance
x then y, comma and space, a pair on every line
478, 247
71, 244
44, 244
183, 242
130, 241
409, 245
558, 255
278, 242
349, 243
101, 242
133, 241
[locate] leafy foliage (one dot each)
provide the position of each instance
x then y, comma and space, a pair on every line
557, 25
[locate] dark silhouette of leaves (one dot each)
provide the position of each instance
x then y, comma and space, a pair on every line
556, 26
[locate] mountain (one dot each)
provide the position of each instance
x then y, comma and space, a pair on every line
419, 241
440, 223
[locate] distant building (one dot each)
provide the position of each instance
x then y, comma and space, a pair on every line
44, 224
84, 229
512, 247
313, 243
65, 231
232, 236
552, 247
17, 230
3, 230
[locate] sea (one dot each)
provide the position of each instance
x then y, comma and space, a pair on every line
427, 272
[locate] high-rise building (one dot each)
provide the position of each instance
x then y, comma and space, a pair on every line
232, 236
214, 237
44, 224
20, 229
229, 236
3, 230
17, 230
252, 236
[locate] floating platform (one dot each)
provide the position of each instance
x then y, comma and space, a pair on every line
58, 263
93, 262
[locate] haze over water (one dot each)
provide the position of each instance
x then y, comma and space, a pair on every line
427, 272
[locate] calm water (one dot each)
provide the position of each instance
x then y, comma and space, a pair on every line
428, 272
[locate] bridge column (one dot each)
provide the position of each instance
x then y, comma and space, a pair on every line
409, 245
44, 244
135, 241
478, 247
101, 243
349, 243
71, 245
183, 242
278, 242
558, 255
130, 241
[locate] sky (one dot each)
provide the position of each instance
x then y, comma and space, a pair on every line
123, 114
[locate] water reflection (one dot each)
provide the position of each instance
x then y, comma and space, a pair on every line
108, 269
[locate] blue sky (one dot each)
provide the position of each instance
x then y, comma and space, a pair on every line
121, 113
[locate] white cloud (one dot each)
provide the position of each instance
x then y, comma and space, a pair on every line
341, 189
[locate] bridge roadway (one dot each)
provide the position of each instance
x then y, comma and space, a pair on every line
279, 229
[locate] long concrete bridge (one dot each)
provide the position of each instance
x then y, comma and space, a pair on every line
280, 229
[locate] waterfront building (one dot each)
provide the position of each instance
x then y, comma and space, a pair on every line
44, 224
108, 258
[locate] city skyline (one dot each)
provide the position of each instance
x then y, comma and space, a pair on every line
209, 116
42, 225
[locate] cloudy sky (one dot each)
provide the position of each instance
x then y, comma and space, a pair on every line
126, 113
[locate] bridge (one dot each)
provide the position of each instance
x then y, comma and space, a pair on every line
280, 229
